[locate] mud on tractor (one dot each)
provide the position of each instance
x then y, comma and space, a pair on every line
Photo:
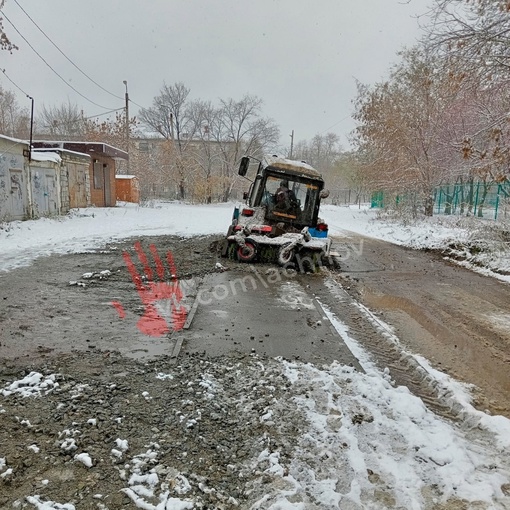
279, 221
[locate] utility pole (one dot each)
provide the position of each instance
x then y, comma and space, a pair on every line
31, 128
172, 128
127, 126
291, 144
30, 188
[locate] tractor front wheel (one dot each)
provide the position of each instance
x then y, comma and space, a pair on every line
247, 252
285, 255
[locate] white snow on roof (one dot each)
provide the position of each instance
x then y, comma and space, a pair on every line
61, 143
274, 160
293, 165
16, 140
46, 156
62, 151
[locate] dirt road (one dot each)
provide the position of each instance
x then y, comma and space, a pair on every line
453, 317
94, 324
457, 319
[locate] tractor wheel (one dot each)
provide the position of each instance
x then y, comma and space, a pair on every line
285, 255
247, 252
231, 250
310, 261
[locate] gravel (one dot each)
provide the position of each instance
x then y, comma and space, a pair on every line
102, 429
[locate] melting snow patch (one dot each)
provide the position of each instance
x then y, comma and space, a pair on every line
32, 385
78, 284
116, 453
101, 275
500, 321
122, 444
144, 484
84, 458
400, 447
6, 473
162, 376
48, 505
293, 297
267, 416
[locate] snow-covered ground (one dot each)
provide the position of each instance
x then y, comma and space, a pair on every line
402, 446
482, 245
88, 229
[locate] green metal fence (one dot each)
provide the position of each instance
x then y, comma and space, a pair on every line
477, 198
482, 199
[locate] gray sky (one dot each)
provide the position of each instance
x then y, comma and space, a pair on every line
301, 57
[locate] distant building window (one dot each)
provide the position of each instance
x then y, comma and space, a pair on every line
98, 175
143, 146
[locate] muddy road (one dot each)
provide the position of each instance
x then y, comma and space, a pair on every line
392, 301
159, 357
455, 318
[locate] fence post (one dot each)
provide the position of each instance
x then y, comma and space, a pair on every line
497, 203
448, 204
476, 197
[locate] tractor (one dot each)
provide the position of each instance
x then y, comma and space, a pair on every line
279, 220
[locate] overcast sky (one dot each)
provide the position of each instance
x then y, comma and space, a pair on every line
301, 57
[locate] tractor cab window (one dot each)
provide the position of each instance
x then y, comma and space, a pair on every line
290, 199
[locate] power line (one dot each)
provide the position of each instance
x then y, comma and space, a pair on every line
81, 119
15, 84
336, 124
62, 53
63, 79
88, 117
105, 113
139, 105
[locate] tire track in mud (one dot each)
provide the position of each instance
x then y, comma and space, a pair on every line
454, 317
383, 347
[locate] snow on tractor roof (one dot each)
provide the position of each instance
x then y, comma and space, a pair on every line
299, 167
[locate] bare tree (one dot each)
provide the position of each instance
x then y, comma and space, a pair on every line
205, 153
14, 120
349, 173
476, 33
64, 122
208, 140
322, 151
168, 114
240, 129
473, 37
